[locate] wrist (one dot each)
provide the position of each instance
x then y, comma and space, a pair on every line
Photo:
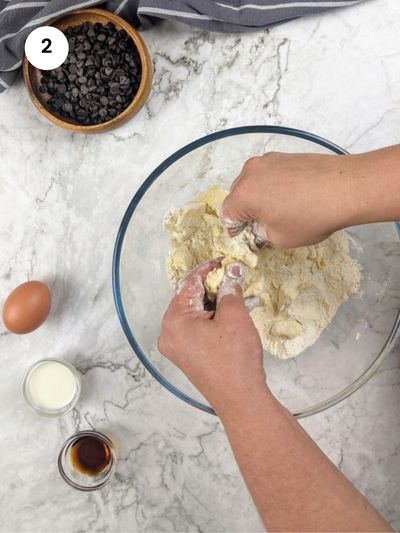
372, 187
346, 190
357, 201
243, 400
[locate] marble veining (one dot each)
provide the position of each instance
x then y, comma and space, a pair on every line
62, 197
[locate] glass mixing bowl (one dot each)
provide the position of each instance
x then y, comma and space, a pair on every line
351, 348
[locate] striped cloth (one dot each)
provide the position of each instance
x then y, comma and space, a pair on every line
19, 17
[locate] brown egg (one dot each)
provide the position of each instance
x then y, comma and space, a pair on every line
27, 307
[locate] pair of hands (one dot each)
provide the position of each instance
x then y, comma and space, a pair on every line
290, 200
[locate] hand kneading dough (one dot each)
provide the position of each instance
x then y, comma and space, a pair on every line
299, 289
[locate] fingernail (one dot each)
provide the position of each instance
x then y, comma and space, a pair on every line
235, 270
234, 278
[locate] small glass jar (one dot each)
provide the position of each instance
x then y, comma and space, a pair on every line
54, 393
73, 471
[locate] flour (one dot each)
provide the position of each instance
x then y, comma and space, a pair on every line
299, 290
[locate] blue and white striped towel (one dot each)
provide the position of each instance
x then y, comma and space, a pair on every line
19, 17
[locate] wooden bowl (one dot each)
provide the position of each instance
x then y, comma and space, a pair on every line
32, 75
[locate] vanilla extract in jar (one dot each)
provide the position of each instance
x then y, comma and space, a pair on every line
90, 455
87, 460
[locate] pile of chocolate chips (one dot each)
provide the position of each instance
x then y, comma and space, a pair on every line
99, 78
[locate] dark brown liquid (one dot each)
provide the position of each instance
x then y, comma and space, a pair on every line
90, 455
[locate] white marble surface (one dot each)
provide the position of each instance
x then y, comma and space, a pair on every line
61, 200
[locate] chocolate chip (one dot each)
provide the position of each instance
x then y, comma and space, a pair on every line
99, 78
114, 88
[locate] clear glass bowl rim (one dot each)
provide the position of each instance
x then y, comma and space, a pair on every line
277, 130
67, 444
55, 412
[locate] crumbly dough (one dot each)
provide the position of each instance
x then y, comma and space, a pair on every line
298, 290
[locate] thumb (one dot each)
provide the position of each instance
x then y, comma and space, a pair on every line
230, 300
190, 291
235, 220
231, 216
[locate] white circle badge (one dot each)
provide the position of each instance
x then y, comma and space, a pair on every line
46, 48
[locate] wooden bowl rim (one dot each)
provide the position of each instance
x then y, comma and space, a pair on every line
140, 96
